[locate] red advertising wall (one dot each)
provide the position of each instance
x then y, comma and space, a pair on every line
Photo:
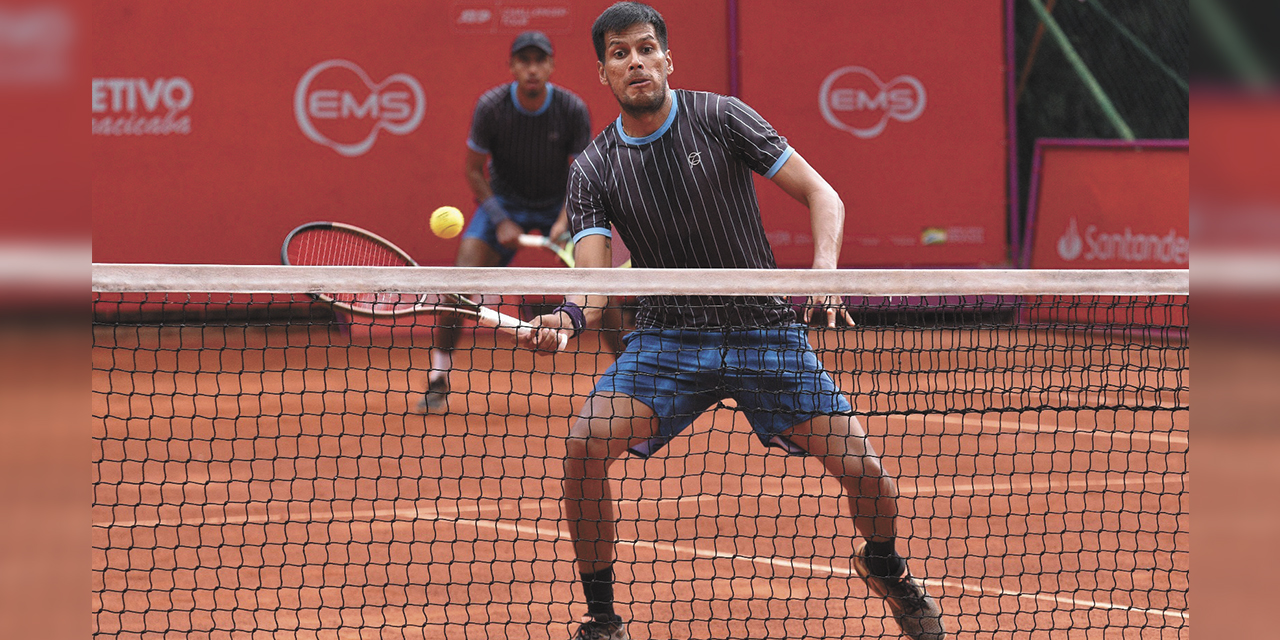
219, 126
901, 106
1101, 204
1109, 205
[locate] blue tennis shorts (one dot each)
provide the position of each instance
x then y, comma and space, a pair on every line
528, 219
771, 373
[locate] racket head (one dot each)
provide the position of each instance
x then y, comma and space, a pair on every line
339, 244
563, 252
387, 304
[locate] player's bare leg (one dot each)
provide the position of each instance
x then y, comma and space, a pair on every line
600, 436
842, 445
846, 453
472, 252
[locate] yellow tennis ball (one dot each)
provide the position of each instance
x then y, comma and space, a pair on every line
447, 222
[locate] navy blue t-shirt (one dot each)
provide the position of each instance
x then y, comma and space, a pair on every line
683, 197
529, 151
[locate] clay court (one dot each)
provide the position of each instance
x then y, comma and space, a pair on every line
270, 481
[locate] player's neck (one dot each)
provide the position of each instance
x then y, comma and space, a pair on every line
639, 125
532, 101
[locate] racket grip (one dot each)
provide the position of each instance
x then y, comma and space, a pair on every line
511, 325
497, 320
530, 240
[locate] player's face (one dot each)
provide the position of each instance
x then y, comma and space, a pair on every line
532, 69
635, 67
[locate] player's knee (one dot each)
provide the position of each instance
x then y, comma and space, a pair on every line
577, 449
855, 468
581, 446
585, 451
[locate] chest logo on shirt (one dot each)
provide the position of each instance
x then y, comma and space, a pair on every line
695, 159
853, 99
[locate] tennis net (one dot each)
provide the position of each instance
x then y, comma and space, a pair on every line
260, 470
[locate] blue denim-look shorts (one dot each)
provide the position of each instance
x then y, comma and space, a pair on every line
529, 219
771, 373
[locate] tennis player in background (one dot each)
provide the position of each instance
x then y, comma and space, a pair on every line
524, 133
673, 175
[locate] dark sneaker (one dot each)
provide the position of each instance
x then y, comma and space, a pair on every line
437, 398
916, 611
592, 629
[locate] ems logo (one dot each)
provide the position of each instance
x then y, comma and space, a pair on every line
695, 159
339, 106
853, 99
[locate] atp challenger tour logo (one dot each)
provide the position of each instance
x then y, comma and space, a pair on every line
141, 107
339, 106
853, 99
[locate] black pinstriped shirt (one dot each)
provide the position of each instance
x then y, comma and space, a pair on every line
528, 151
683, 197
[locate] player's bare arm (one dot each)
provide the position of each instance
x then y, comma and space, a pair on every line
826, 215
508, 232
476, 178
591, 252
560, 230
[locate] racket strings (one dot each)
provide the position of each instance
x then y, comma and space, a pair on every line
339, 247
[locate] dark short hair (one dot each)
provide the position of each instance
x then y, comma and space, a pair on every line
623, 15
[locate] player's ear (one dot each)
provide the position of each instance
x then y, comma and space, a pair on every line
600, 69
670, 67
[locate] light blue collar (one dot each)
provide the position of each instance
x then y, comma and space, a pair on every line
671, 117
546, 104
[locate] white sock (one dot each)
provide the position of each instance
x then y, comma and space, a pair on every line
441, 364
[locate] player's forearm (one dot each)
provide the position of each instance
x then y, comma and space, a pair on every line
826, 212
592, 252
479, 185
592, 307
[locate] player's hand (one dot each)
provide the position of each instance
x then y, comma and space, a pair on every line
548, 334
508, 234
833, 307
559, 232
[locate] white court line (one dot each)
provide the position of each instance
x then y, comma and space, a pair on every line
1008, 488
696, 551
1136, 397
813, 567
916, 488
1020, 426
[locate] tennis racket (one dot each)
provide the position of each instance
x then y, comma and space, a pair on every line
562, 251
338, 244
565, 251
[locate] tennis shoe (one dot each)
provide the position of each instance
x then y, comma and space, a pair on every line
916, 611
592, 629
437, 398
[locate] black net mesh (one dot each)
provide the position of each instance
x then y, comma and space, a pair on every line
261, 470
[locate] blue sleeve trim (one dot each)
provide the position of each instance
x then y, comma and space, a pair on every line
471, 144
777, 166
593, 231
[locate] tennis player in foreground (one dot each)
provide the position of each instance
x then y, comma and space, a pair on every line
673, 175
